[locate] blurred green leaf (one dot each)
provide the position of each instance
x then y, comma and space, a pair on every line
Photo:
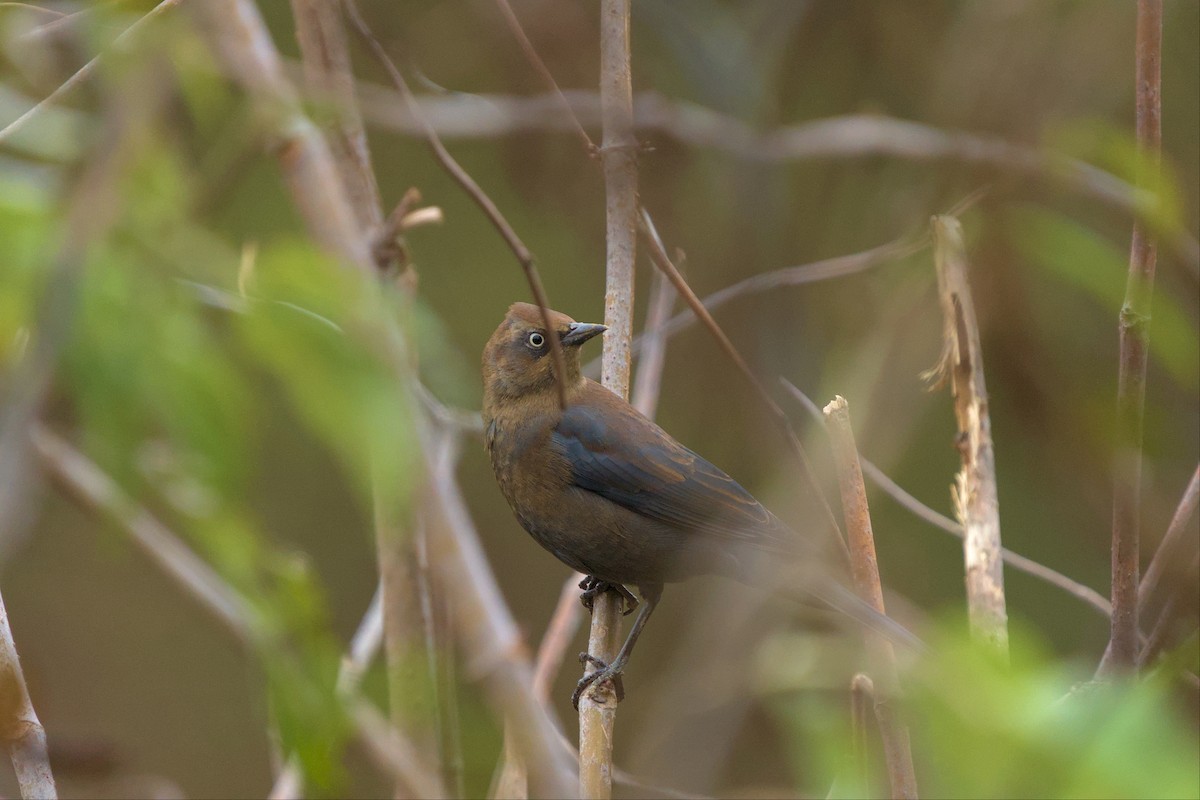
1087, 262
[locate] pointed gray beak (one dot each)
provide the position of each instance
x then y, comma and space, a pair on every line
580, 332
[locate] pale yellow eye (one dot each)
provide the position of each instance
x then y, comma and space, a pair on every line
536, 340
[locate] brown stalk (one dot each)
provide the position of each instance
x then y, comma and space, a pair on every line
468, 184
1154, 589
618, 151
865, 567
906, 500
1134, 333
976, 502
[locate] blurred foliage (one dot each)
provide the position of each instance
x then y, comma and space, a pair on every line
984, 728
247, 389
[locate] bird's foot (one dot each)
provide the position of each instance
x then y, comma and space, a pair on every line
603, 673
593, 586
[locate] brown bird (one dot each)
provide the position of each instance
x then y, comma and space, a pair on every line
613, 495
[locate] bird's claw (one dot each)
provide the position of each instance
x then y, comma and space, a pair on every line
593, 586
603, 673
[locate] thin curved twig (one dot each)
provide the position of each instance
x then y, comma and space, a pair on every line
468, 184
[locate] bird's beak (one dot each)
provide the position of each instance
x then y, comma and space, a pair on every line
580, 332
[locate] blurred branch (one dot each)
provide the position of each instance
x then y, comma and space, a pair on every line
83, 72
24, 736
328, 74
95, 490
1134, 329
862, 692
846, 136
896, 744
468, 184
658, 255
975, 498
485, 627
906, 500
239, 38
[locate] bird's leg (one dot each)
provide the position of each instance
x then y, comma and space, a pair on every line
593, 586
612, 672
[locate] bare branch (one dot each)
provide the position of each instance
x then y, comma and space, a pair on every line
83, 72
1134, 329
975, 498
648, 379
896, 745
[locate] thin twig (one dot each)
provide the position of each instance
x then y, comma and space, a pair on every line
647, 381
1134, 330
1170, 553
660, 258
23, 734
468, 184
896, 744
825, 269
1160, 633
83, 72
941, 521
539, 66
974, 492
485, 627
328, 73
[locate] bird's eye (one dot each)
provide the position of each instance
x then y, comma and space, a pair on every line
536, 339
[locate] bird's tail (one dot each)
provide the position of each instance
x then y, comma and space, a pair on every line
838, 597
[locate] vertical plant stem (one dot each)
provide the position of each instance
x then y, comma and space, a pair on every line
896, 745
23, 733
1134, 325
598, 706
976, 501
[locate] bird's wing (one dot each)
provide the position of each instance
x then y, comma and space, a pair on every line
622, 456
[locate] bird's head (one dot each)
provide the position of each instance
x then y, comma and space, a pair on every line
517, 360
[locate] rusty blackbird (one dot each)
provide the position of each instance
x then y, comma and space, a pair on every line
613, 495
